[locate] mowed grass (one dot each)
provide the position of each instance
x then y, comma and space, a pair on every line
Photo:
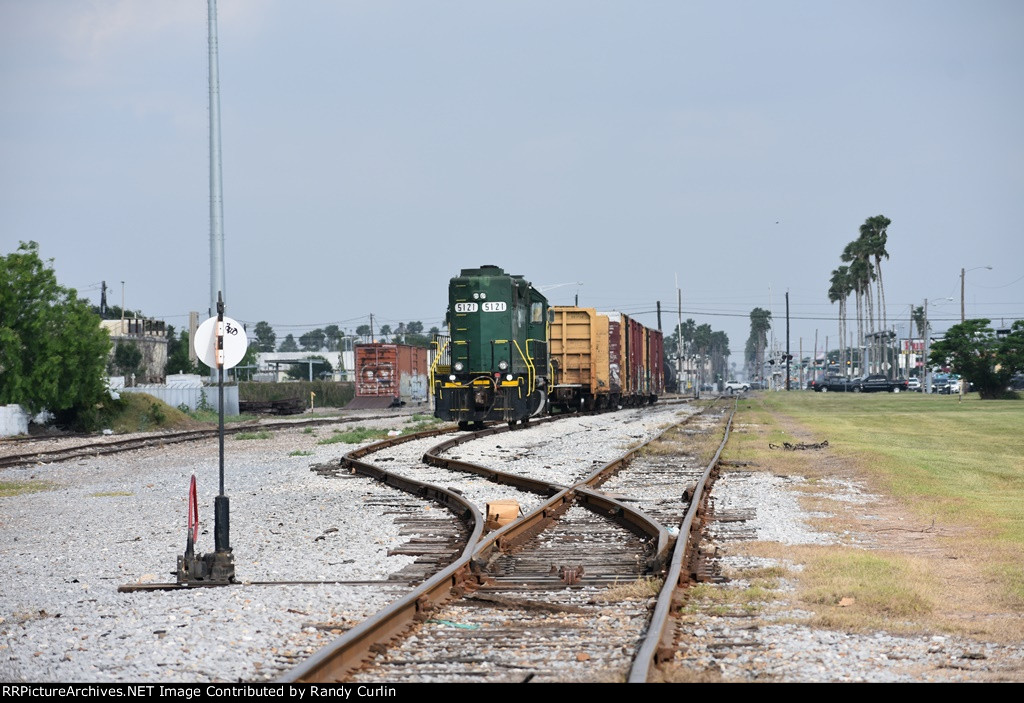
958, 463
966, 458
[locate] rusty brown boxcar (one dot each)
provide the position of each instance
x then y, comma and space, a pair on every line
640, 359
389, 375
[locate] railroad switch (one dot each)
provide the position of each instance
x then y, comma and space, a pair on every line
214, 569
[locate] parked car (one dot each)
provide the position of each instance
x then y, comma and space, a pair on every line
879, 383
838, 384
914, 384
737, 386
939, 382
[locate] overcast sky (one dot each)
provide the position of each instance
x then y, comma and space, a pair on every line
373, 149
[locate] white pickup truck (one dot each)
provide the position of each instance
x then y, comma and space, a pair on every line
736, 387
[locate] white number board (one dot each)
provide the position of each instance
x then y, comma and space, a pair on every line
498, 306
465, 307
235, 343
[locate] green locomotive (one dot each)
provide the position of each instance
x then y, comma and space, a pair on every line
494, 365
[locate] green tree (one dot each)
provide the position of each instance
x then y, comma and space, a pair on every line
874, 232
418, 340
672, 341
114, 312
760, 323
333, 336
289, 345
719, 349
918, 317
313, 340
246, 367
53, 351
841, 285
178, 360
974, 351
127, 358
265, 337
301, 371
858, 254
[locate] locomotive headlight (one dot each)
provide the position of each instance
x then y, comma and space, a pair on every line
476, 296
458, 366
452, 377
509, 377
503, 365
483, 296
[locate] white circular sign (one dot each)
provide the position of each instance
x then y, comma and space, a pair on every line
235, 342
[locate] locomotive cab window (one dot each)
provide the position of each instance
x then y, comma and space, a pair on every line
537, 313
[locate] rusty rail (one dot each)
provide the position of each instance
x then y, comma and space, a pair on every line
346, 654
658, 644
157, 439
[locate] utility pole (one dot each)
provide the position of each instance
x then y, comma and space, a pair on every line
788, 355
801, 364
814, 362
679, 333
927, 370
910, 336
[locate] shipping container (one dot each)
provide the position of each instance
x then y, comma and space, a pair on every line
389, 374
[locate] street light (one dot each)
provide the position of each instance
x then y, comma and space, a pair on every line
962, 274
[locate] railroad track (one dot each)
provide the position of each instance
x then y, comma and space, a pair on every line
561, 594
92, 446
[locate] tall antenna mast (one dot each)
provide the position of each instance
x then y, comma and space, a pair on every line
216, 199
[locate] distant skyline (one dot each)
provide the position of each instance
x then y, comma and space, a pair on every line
373, 150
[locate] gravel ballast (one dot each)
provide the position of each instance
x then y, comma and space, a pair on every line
107, 521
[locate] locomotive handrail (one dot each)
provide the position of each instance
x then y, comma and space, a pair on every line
437, 358
530, 368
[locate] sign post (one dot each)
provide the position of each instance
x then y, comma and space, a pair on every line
220, 343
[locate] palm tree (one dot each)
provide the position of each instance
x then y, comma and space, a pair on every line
862, 273
874, 233
838, 292
719, 353
760, 323
917, 315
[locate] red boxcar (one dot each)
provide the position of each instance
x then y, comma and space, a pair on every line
637, 357
389, 374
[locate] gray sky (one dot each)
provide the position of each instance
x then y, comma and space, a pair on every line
371, 150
